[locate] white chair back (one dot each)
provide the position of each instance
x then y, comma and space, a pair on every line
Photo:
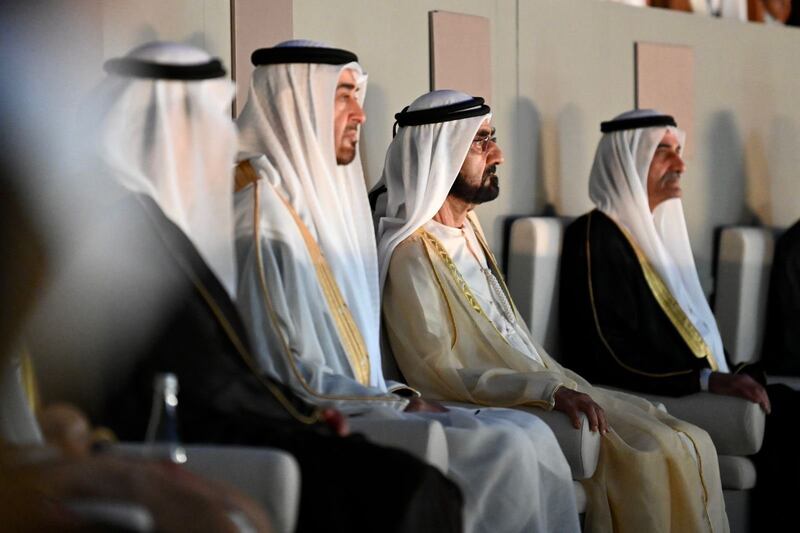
534, 261
742, 284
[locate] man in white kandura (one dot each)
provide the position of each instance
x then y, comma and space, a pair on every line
308, 287
457, 336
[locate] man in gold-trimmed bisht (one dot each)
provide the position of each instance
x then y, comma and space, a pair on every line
630, 285
456, 334
308, 288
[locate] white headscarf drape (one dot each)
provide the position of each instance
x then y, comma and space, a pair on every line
421, 164
289, 118
618, 187
173, 141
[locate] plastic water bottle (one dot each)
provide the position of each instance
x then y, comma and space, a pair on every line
162, 429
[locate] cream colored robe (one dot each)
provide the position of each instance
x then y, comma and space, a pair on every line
656, 473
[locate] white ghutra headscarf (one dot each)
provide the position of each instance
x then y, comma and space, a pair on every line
289, 119
618, 187
173, 140
421, 165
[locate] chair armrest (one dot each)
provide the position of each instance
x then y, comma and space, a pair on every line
424, 439
112, 516
793, 382
581, 446
735, 425
269, 476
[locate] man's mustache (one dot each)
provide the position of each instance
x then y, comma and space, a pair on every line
488, 174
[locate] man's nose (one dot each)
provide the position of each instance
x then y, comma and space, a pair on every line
357, 113
677, 164
495, 156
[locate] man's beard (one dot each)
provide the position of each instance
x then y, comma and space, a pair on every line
346, 154
486, 191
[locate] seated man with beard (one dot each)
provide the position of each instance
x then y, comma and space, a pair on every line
457, 335
630, 286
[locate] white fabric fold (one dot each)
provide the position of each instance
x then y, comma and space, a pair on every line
171, 140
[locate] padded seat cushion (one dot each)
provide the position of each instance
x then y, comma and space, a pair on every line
735, 425
737, 473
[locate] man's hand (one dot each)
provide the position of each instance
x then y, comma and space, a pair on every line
67, 428
418, 405
741, 386
573, 403
36, 496
336, 421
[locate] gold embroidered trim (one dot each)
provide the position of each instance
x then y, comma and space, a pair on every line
702, 479
232, 336
597, 319
349, 333
418, 236
29, 382
671, 307
440, 251
276, 322
244, 176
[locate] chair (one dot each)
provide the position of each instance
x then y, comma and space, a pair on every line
736, 426
744, 261
270, 477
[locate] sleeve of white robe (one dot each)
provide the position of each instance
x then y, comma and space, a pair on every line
284, 310
442, 353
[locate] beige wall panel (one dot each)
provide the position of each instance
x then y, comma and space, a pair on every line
203, 23
665, 81
747, 124
573, 67
461, 53
256, 24
91, 31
